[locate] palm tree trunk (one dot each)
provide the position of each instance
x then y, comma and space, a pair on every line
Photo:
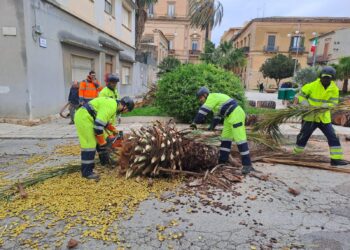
345, 86
141, 18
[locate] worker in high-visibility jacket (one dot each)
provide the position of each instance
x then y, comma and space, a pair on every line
321, 92
227, 108
110, 90
89, 88
91, 120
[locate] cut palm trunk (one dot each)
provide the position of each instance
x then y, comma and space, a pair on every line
151, 149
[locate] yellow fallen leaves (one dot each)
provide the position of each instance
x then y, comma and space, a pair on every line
35, 159
162, 235
89, 207
65, 150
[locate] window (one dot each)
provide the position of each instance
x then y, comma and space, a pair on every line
150, 11
108, 7
125, 75
271, 39
126, 18
171, 10
297, 41
194, 45
171, 44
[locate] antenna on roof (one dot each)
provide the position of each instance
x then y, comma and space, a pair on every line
263, 9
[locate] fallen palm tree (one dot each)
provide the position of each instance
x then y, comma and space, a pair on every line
160, 148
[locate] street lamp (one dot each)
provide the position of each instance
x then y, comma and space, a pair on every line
315, 43
298, 36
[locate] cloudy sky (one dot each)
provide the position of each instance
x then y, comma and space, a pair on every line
237, 12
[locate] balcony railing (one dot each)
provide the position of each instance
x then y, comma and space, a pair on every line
270, 49
194, 52
171, 52
297, 49
321, 59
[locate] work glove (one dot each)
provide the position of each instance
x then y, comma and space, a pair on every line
193, 126
305, 103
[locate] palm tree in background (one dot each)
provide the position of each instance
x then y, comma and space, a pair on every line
343, 72
229, 57
141, 18
205, 14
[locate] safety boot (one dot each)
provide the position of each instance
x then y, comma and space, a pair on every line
92, 176
247, 169
336, 162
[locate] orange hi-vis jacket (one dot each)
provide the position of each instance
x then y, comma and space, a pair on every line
88, 90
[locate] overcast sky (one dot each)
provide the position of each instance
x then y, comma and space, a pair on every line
237, 12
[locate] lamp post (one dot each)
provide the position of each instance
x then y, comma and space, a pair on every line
315, 50
298, 37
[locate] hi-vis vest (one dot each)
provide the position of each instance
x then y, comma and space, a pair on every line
88, 90
316, 95
107, 92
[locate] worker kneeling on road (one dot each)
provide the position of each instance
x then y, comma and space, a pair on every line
321, 92
225, 108
91, 120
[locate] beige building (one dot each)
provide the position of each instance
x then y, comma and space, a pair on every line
229, 34
262, 38
171, 18
331, 47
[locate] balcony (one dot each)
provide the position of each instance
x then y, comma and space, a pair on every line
171, 52
270, 49
300, 49
246, 49
194, 52
321, 59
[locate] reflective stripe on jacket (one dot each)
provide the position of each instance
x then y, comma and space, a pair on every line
220, 104
316, 95
105, 109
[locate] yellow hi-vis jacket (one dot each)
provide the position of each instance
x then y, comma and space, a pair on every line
107, 92
314, 94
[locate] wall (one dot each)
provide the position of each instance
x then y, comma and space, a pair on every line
14, 97
142, 76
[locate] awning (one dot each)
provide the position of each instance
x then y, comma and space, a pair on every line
126, 58
109, 44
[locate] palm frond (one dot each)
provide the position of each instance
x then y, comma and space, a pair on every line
270, 122
205, 13
40, 177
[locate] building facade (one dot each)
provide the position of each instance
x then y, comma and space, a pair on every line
262, 38
49, 43
330, 47
171, 18
229, 34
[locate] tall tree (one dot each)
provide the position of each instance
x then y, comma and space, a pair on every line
205, 14
208, 54
229, 58
141, 18
343, 72
278, 68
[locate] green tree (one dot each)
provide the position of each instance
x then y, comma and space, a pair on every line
205, 14
208, 55
278, 68
306, 75
176, 93
229, 58
141, 18
343, 72
168, 64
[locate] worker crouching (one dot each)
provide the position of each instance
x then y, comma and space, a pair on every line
91, 120
225, 107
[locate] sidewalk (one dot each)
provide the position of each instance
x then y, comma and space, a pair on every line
60, 129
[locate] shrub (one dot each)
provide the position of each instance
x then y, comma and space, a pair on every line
176, 93
306, 75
